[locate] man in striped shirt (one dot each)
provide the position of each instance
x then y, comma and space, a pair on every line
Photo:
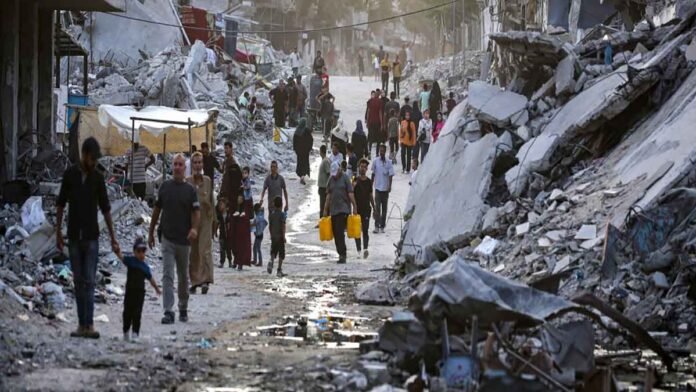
141, 159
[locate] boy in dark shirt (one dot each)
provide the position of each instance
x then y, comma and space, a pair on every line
138, 273
221, 231
365, 201
276, 225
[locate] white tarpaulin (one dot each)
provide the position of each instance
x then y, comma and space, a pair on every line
111, 126
120, 118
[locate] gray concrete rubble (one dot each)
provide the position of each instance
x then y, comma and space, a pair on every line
591, 192
430, 221
496, 106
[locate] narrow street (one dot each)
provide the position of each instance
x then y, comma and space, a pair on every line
222, 345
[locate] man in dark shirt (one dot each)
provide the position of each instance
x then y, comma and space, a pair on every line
84, 189
292, 102
178, 201
318, 64
339, 199
405, 108
451, 103
232, 176
362, 188
276, 226
210, 163
275, 185
279, 95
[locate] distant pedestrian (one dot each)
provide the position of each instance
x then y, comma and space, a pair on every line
393, 127
221, 228
258, 225
201, 267
301, 96
323, 178
365, 202
336, 154
406, 107
385, 66
434, 102
292, 102
382, 175
240, 229
210, 163
375, 116
252, 107
402, 57
425, 134
318, 63
439, 124
302, 143
279, 97
177, 203
451, 103
352, 161
339, 200
381, 54
141, 159
294, 62
396, 75
407, 138
416, 116
424, 97
326, 110
247, 182
275, 185
276, 226
361, 64
375, 65
138, 273
231, 178
359, 140
84, 189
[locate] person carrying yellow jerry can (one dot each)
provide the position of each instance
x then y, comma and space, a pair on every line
339, 200
365, 201
325, 230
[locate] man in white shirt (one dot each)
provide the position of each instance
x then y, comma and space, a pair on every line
382, 175
425, 134
336, 155
295, 62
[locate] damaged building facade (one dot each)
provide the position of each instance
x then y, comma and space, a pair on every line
31, 42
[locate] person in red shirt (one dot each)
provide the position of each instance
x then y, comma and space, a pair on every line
374, 118
324, 78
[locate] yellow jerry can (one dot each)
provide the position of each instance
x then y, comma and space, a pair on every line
354, 226
325, 230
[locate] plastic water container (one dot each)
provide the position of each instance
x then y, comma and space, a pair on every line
325, 229
354, 226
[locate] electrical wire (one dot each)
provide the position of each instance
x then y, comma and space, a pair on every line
369, 22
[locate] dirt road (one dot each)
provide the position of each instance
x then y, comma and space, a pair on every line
226, 344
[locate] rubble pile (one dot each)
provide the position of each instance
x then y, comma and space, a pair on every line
555, 216
467, 66
39, 277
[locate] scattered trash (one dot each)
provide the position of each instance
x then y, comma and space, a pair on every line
102, 318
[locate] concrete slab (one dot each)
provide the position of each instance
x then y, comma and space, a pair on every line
657, 154
496, 106
586, 112
586, 232
565, 76
464, 169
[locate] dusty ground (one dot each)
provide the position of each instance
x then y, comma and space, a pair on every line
220, 347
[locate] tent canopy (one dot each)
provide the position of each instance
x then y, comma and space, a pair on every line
112, 127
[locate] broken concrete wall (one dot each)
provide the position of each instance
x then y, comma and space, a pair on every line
493, 105
586, 112
133, 35
446, 203
658, 153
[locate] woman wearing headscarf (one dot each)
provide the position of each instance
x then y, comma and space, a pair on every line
359, 141
302, 143
239, 234
201, 257
435, 101
439, 124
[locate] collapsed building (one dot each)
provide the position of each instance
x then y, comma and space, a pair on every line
564, 179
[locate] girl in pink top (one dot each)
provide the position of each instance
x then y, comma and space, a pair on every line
439, 124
